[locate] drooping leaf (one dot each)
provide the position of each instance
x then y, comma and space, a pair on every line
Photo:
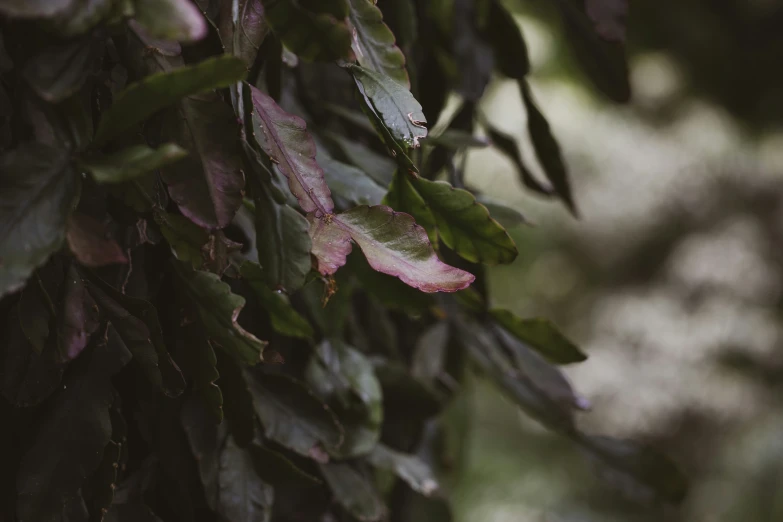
133, 162
34, 8
171, 19
285, 140
292, 416
378, 167
349, 182
547, 149
397, 108
392, 243
157, 91
458, 139
354, 491
242, 30
312, 30
508, 146
464, 224
91, 243
207, 185
403, 197
242, 495
54, 82
609, 17
602, 60
37, 191
374, 43
508, 44
635, 466
541, 335
507, 216
285, 320
68, 444
219, 309
473, 56
345, 378
409, 468
136, 322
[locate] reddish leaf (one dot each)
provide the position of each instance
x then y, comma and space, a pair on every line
89, 241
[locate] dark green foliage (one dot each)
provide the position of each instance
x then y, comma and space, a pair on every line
184, 333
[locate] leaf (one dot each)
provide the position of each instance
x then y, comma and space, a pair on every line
99, 488
33, 8
541, 335
508, 44
602, 60
37, 191
429, 355
315, 31
242, 495
354, 491
200, 364
344, 377
90, 242
82, 16
285, 320
374, 44
392, 243
237, 400
171, 19
398, 149
350, 183
402, 197
219, 309
379, 168
68, 444
507, 216
285, 140
59, 71
390, 291
547, 149
404, 393
37, 303
465, 225
409, 468
508, 146
186, 239
635, 466
458, 139
609, 17
292, 416
395, 105
130, 513
136, 322
144, 98
132, 162
78, 317
242, 30
207, 185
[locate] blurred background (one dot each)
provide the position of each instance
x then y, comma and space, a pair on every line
671, 280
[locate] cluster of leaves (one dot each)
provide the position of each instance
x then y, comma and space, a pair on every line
186, 332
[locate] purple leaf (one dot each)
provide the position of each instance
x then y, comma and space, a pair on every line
285, 140
89, 241
393, 244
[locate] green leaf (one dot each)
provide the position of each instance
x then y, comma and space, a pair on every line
344, 378
292, 416
392, 243
207, 185
547, 149
91, 243
37, 191
349, 182
354, 491
374, 43
82, 16
52, 80
379, 168
402, 391
285, 140
136, 321
632, 465
37, 303
69, 441
219, 309
276, 469
409, 468
506, 215
541, 335
457, 139
429, 354
186, 239
312, 30
33, 8
508, 146
464, 224
508, 44
242, 495
144, 98
200, 364
132, 162
243, 29
402, 197
285, 320
397, 108
171, 19
238, 402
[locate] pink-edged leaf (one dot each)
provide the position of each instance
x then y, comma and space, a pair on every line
285, 140
393, 244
